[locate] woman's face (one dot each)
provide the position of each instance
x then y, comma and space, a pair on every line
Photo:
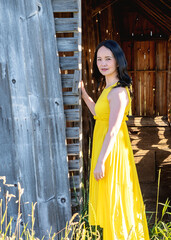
106, 62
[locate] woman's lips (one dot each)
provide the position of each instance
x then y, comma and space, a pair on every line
104, 69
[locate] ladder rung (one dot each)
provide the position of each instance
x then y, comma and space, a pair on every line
75, 181
70, 99
67, 44
74, 165
72, 132
66, 25
73, 149
65, 5
72, 115
68, 63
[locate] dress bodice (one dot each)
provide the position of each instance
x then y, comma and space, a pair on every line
102, 108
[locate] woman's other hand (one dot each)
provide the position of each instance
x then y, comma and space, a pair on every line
99, 171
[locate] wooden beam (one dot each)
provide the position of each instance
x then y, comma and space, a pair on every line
74, 165
65, 5
147, 121
70, 99
66, 24
72, 115
76, 82
67, 80
103, 6
159, 16
73, 149
68, 63
72, 132
75, 181
67, 44
169, 82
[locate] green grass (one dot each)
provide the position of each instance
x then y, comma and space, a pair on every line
78, 227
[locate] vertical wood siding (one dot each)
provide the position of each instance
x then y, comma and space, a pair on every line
67, 16
32, 122
147, 65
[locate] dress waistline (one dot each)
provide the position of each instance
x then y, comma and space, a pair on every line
125, 118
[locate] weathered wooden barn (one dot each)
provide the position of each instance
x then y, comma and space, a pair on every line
40, 133
41, 118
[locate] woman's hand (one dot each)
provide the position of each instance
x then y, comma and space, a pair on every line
99, 171
87, 99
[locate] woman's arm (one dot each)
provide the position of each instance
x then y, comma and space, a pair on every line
87, 99
118, 100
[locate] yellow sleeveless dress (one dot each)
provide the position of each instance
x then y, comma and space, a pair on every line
115, 202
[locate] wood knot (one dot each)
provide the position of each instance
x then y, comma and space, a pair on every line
63, 200
13, 81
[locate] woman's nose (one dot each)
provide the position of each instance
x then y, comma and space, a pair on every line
103, 63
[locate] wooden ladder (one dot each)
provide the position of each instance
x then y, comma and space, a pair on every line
67, 17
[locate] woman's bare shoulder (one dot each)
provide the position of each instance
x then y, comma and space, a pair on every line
119, 92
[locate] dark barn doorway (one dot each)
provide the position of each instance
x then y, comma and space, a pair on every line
143, 30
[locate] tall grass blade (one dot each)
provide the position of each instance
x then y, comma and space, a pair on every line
157, 196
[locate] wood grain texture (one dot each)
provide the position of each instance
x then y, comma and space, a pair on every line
67, 44
66, 25
72, 132
74, 165
70, 99
65, 5
38, 156
73, 149
68, 32
68, 63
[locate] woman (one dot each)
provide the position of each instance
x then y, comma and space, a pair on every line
115, 201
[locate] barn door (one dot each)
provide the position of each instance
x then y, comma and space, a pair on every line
67, 16
32, 122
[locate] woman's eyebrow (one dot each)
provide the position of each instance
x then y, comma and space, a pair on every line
106, 57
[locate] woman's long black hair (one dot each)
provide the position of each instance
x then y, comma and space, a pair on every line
124, 79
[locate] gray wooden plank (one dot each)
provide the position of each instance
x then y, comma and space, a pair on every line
66, 25
72, 115
37, 157
73, 149
65, 5
76, 81
8, 167
68, 63
72, 132
75, 89
56, 126
75, 182
11, 53
74, 165
67, 44
70, 99
67, 80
